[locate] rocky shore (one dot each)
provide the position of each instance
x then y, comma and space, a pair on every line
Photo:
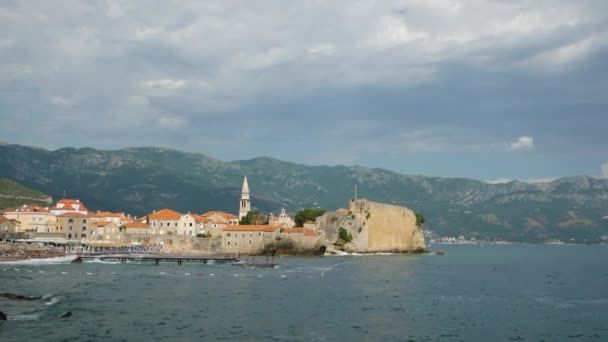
11, 251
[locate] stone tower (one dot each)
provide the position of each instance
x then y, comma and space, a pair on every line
245, 205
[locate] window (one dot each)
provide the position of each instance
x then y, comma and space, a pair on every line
84, 227
250, 242
69, 236
229, 242
71, 220
70, 227
84, 221
176, 224
84, 236
260, 234
243, 235
250, 235
190, 224
161, 224
228, 234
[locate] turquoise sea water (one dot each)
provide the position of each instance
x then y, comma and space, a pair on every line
492, 293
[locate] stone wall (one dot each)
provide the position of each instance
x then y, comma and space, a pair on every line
374, 227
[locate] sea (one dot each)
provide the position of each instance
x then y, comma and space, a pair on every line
514, 292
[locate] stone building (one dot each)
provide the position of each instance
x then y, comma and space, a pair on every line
190, 225
164, 222
69, 205
74, 225
283, 219
245, 202
117, 218
104, 231
33, 219
8, 226
136, 228
248, 239
215, 221
310, 225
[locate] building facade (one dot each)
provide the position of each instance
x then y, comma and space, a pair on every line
248, 239
164, 222
74, 225
33, 219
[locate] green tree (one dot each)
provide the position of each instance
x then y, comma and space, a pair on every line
308, 214
419, 219
345, 235
254, 217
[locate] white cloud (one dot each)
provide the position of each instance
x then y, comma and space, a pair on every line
522, 144
166, 83
605, 170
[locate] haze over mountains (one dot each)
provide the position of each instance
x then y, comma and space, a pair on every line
139, 180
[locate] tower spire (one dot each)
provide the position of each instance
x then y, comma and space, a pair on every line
245, 203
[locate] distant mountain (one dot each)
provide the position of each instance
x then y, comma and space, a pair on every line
138, 180
13, 194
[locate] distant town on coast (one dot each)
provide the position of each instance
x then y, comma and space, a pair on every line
312, 231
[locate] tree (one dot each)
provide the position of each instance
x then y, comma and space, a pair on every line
308, 214
345, 235
419, 219
254, 217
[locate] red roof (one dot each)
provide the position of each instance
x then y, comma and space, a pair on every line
136, 225
293, 230
251, 228
69, 203
165, 214
106, 214
227, 216
102, 223
29, 209
310, 232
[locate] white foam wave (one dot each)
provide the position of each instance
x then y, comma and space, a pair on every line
27, 317
48, 261
99, 261
53, 301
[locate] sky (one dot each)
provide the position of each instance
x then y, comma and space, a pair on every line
492, 90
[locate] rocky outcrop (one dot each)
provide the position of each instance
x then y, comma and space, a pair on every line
370, 227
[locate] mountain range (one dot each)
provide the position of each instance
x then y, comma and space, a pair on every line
139, 180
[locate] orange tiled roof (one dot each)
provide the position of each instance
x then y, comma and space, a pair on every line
68, 204
309, 222
136, 225
197, 218
310, 232
72, 214
102, 223
29, 209
106, 214
227, 216
165, 214
251, 228
293, 230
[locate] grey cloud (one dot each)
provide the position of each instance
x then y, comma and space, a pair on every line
321, 77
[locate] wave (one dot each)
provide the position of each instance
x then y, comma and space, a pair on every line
53, 301
24, 317
48, 261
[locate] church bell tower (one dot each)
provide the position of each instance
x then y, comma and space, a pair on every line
245, 205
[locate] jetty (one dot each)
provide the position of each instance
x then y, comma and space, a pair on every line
178, 260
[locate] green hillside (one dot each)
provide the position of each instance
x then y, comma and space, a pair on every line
138, 180
12, 195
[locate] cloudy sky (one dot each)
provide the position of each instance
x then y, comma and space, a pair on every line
462, 88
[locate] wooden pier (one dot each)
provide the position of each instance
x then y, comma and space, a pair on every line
178, 260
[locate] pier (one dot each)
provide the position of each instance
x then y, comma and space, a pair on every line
178, 260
